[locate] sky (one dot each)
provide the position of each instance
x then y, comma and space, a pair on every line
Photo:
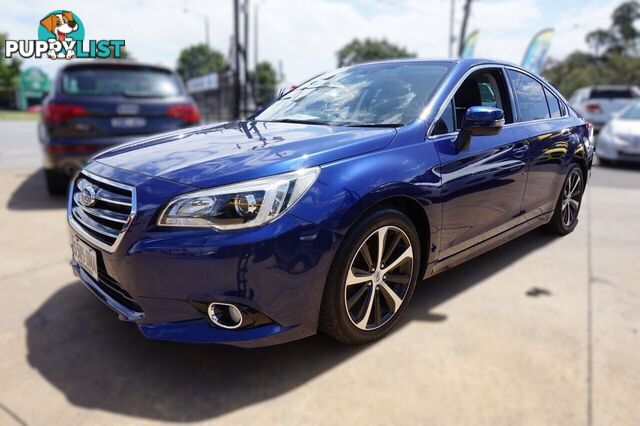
304, 35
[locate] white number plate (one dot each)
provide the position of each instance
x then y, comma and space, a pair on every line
85, 256
128, 122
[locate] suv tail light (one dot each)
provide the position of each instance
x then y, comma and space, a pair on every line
593, 108
186, 112
59, 113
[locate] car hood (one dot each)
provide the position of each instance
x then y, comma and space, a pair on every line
215, 155
621, 126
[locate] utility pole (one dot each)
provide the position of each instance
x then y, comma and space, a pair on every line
245, 48
451, 21
463, 29
236, 53
255, 36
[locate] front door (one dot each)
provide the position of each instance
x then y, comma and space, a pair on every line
482, 187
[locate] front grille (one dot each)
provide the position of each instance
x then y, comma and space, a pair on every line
102, 209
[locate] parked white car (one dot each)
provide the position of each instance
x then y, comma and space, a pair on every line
596, 104
619, 139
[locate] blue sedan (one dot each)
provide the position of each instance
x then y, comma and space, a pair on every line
324, 211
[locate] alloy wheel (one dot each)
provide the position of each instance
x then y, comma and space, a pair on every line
571, 198
379, 277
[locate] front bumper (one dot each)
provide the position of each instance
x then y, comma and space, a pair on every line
277, 270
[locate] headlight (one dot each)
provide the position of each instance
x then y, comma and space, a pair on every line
625, 140
241, 205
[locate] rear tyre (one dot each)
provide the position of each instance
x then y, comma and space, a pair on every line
565, 216
372, 278
57, 182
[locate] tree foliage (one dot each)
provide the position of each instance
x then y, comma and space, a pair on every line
9, 69
359, 51
264, 80
613, 58
199, 60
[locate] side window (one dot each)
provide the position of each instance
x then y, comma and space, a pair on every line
554, 104
530, 99
487, 95
486, 87
446, 123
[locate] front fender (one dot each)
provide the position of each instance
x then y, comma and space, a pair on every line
346, 189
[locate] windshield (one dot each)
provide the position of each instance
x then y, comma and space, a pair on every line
114, 81
632, 113
390, 94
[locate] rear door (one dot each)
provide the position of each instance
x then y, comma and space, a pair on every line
545, 120
483, 186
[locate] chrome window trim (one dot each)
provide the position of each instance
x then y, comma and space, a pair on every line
450, 96
81, 231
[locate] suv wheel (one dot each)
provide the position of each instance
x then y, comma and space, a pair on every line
57, 182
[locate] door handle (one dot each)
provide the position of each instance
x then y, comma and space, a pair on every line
520, 151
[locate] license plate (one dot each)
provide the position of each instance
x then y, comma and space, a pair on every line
85, 256
128, 122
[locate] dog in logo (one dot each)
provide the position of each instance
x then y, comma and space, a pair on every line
60, 25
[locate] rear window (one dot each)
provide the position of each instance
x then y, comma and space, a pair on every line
626, 93
530, 97
129, 82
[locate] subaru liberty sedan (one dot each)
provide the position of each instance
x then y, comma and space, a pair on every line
95, 105
327, 209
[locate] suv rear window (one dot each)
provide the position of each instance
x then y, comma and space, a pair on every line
611, 94
120, 81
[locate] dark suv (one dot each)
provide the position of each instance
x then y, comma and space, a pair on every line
94, 105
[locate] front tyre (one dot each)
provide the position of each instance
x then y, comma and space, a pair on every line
565, 216
372, 278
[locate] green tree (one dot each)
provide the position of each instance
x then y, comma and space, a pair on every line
124, 53
613, 58
9, 69
199, 60
599, 40
622, 36
359, 51
264, 80
623, 25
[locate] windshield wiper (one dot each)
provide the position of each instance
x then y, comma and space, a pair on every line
301, 121
379, 125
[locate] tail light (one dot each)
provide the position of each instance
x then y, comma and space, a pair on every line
186, 112
59, 113
72, 149
593, 108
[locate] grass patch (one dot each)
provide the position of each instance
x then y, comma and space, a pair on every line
18, 115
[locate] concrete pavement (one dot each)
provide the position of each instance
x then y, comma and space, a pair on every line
543, 330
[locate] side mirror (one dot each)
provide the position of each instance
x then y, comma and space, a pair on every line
479, 121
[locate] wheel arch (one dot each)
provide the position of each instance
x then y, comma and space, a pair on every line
414, 211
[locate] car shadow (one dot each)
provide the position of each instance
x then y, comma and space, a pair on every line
32, 194
100, 363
